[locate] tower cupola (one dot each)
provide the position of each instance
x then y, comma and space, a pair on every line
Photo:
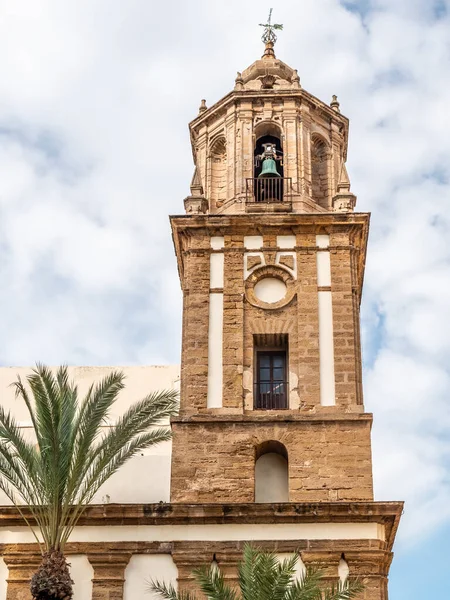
269, 145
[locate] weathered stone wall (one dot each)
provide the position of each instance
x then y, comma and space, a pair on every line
297, 317
328, 460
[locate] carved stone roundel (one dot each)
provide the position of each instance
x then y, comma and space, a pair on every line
270, 287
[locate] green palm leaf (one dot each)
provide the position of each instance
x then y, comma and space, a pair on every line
74, 456
262, 577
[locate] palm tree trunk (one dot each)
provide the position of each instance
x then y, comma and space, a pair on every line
52, 580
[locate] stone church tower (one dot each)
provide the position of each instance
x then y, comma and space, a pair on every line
272, 443
272, 429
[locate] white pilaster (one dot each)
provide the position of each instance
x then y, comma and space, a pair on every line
215, 330
326, 341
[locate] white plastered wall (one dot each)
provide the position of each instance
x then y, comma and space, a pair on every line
3, 578
144, 567
82, 573
217, 532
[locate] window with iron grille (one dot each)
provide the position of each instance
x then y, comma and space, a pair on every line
271, 380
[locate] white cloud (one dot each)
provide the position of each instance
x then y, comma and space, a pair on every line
95, 97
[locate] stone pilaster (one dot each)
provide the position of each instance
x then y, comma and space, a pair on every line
21, 567
109, 575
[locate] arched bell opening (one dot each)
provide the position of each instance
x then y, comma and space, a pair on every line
271, 473
268, 170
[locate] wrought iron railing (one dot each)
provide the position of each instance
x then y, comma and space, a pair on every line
269, 189
271, 395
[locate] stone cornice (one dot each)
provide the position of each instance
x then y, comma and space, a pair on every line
299, 94
385, 513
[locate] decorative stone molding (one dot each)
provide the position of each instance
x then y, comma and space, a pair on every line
253, 260
196, 205
269, 272
344, 203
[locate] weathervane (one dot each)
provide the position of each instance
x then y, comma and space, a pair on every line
269, 30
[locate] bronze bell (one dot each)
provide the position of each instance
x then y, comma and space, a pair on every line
269, 168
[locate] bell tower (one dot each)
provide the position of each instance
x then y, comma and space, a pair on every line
271, 260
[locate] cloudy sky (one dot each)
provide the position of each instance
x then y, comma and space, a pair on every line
95, 97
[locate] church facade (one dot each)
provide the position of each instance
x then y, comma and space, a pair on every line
272, 443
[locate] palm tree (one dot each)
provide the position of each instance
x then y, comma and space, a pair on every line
56, 478
261, 576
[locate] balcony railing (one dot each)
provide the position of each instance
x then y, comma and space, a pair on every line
271, 395
269, 190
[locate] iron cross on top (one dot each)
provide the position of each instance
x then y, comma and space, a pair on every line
269, 29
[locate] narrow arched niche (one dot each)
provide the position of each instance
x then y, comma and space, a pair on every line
319, 171
271, 473
218, 157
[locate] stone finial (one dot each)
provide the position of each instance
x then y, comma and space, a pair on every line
269, 37
239, 82
196, 203
335, 104
344, 180
269, 52
196, 184
344, 201
202, 107
295, 79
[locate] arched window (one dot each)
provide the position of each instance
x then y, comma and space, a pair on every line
271, 473
319, 171
219, 170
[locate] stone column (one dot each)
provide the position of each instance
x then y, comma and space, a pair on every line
109, 575
22, 566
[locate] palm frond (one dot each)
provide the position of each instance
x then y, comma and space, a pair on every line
168, 592
263, 577
344, 590
307, 586
92, 414
72, 459
283, 577
212, 583
246, 571
136, 420
106, 465
20, 460
66, 431
8, 490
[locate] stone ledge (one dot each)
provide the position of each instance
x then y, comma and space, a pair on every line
386, 513
309, 221
259, 416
